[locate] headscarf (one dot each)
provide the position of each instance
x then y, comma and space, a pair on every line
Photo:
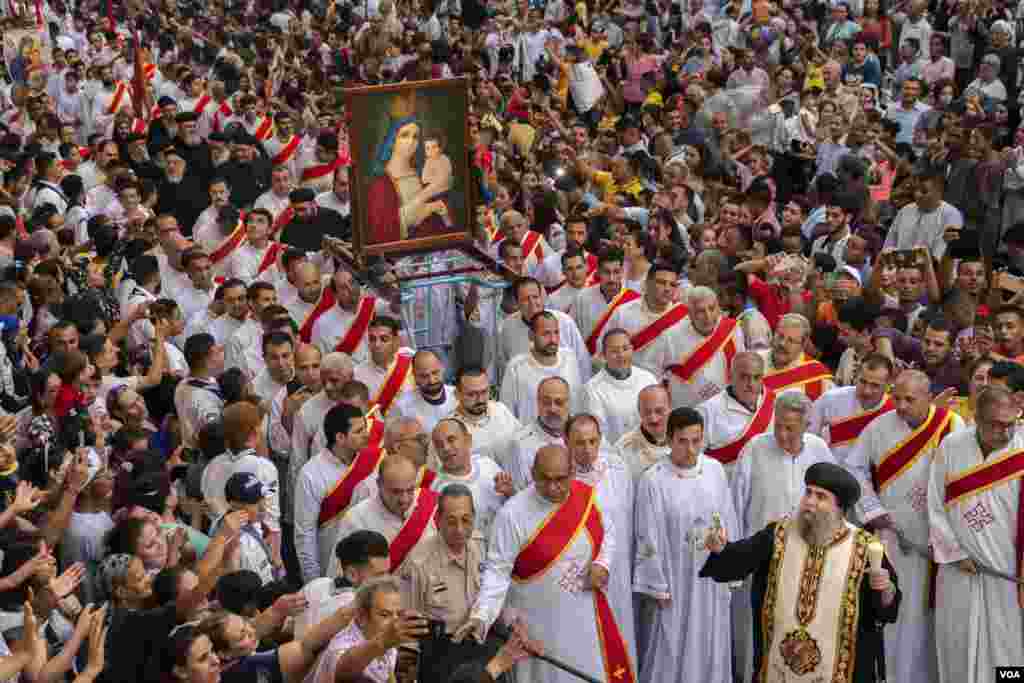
387, 145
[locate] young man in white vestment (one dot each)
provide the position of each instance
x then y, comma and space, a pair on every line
546, 358
550, 555
611, 395
685, 619
974, 510
768, 483
893, 459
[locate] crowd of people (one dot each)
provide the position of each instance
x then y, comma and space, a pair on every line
733, 393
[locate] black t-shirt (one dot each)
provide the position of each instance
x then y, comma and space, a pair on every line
261, 667
135, 644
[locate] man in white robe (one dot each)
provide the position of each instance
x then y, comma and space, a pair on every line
979, 619
515, 336
647, 444
786, 364
432, 399
842, 414
894, 481
558, 602
591, 308
603, 469
611, 395
546, 429
767, 484
335, 325
684, 621
491, 424
385, 345
710, 342
524, 373
655, 322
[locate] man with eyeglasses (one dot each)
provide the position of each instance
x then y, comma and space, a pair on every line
892, 459
974, 514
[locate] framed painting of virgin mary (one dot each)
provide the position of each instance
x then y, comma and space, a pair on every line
411, 184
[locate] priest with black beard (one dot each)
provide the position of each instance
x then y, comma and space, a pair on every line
180, 192
311, 222
822, 589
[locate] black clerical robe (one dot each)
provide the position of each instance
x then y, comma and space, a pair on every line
760, 555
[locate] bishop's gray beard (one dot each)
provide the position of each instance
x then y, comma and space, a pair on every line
818, 528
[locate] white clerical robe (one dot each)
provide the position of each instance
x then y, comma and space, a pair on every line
514, 339
614, 401
769, 368
706, 382
767, 484
314, 544
412, 404
492, 432
558, 605
639, 453
725, 419
663, 350
587, 311
371, 514
486, 499
909, 650
373, 375
690, 639
245, 261
615, 495
521, 452
836, 404
979, 624
333, 325
563, 298
523, 376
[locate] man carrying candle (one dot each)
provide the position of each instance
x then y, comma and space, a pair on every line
821, 586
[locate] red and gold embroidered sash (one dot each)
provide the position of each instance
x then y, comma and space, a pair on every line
623, 297
337, 501
360, 324
115, 102
393, 383
719, 340
531, 245
320, 170
759, 422
592, 276
287, 151
231, 242
902, 457
842, 432
645, 336
200, 105
265, 130
427, 478
411, 532
270, 257
987, 475
149, 71
283, 219
322, 306
557, 533
810, 374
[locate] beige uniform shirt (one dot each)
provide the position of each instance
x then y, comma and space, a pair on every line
441, 586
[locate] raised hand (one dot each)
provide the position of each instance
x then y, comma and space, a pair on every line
26, 498
65, 584
503, 484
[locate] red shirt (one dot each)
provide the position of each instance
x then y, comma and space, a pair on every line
770, 300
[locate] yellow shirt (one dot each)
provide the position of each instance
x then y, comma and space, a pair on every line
610, 188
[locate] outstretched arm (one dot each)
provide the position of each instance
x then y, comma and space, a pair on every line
737, 560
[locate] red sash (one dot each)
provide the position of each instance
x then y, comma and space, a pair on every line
901, 457
578, 512
265, 129
287, 151
842, 432
623, 297
669, 318
139, 126
364, 314
119, 94
225, 248
200, 105
411, 532
149, 71
720, 339
762, 418
337, 501
322, 306
270, 257
427, 478
531, 244
987, 475
393, 383
320, 170
283, 219
810, 374
592, 277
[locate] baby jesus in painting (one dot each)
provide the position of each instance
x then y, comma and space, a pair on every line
437, 172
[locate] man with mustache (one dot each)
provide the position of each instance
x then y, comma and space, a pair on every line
547, 358
798, 598
432, 399
491, 424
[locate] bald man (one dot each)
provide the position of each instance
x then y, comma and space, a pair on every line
554, 577
310, 287
400, 509
893, 469
647, 444
432, 399
345, 325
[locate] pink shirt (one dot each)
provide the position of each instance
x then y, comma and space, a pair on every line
934, 71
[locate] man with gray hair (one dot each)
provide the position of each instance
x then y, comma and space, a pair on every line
767, 484
710, 341
738, 414
787, 367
